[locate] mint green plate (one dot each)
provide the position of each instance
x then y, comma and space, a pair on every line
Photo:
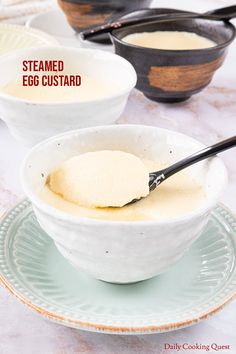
201, 283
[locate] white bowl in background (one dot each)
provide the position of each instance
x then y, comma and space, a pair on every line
127, 251
54, 23
15, 37
31, 122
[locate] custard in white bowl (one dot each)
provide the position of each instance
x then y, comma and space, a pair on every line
90, 89
123, 251
102, 184
34, 113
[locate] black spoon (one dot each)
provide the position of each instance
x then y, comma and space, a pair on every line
221, 14
156, 178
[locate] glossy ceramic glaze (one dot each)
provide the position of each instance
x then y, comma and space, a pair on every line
175, 75
200, 284
82, 14
31, 122
121, 252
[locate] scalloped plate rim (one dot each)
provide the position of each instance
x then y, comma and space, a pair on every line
104, 328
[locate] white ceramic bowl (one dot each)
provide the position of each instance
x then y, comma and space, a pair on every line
114, 251
15, 37
31, 122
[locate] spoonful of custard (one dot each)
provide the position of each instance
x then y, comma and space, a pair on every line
101, 179
110, 178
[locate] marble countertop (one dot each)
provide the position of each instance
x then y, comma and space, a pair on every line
209, 117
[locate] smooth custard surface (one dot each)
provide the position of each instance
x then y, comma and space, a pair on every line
91, 88
101, 179
177, 196
170, 40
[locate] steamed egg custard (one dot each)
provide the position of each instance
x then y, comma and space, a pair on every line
170, 40
88, 185
91, 88
101, 179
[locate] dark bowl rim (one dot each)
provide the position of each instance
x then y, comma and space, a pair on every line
176, 51
167, 9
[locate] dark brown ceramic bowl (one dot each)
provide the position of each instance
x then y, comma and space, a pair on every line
175, 75
83, 14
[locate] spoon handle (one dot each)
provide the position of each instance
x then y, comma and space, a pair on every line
109, 27
199, 156
224, 13
156, 178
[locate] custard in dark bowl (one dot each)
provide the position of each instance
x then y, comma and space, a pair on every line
167, 75
83, 14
